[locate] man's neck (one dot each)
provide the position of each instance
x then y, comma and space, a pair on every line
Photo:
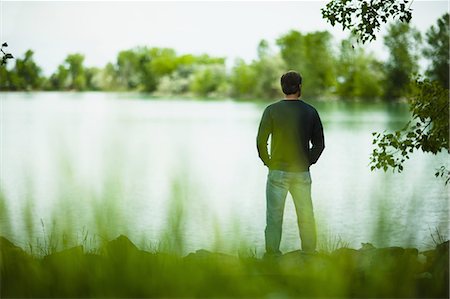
291, 97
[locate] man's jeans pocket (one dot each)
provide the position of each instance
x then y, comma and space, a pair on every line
285, 177
304, 177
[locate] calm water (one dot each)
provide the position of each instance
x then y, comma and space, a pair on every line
121, 161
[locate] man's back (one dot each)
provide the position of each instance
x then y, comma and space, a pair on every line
293, 124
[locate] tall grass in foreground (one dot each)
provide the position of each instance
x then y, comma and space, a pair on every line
68, 263
62, 257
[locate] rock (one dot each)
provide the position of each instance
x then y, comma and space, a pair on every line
345, 252
388, 255
299, 260
440, 263
422, 259
213, 259
347, 259
443, 248
367, 246
119, 247
206, 255
293, 260
19, 275
12, 254
67, 255
412, 251
6, 244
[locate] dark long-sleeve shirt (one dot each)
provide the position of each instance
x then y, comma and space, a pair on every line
293, 125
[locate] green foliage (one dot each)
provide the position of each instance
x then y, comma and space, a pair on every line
5, 78
121, 269
143, 69
208, 79
402, 41
108, 77
5, 56
311, 55
364, 18
70, 75
59, 80
261, 78
76, 71
93, 78
163, 61
360, 75
243, 80
428, 130
130, 65
437, 50
349, 74
26, 74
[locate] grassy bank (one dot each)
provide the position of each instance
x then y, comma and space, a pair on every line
118, 268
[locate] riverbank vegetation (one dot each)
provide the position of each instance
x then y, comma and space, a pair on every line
341, 69
120, 269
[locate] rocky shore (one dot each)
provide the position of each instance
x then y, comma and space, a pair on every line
120, 269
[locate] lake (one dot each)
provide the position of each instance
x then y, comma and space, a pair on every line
112, 163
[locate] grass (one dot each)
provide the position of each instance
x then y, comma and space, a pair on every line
118, 268
68, 260
437, 236
70, 263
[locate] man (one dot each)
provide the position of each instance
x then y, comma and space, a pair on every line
292, 124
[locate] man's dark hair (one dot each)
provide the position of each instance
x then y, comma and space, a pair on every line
290, 82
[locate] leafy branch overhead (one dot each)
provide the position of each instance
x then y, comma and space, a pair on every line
428, 130
5, 56
364, 17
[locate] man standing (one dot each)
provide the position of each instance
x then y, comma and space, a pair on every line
293, 125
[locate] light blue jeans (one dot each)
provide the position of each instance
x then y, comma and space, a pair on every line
299, 185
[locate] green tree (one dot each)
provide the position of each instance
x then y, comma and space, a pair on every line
364, 17
402, 42
437, 50
156, 63
209, 79
267, 68
93, 78
163, 61
26, 74
359, 75
428, 128
243, 80
5, 78
60, 79
108, 77
311, 55
180, 74
129, 70
76, 71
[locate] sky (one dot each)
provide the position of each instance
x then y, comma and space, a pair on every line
231, 29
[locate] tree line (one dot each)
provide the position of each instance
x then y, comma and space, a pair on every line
345, 69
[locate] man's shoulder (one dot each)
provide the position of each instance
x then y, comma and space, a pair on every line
272, 106
310, 107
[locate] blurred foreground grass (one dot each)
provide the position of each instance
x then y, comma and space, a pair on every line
67, 262
118, 268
